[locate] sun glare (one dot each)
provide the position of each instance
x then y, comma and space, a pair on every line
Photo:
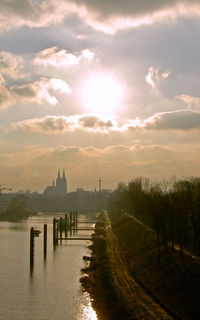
102, 94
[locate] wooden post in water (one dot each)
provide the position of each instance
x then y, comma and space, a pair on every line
70, 223
66, 226
31, 248
54, 232
76, 220
61, 226
45, 241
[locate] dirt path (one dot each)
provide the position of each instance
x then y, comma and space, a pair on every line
134, 298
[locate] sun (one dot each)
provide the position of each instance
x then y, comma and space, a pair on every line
102, 93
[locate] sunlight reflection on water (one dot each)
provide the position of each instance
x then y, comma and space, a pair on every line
87, 312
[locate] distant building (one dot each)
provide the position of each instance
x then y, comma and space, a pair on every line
58, 189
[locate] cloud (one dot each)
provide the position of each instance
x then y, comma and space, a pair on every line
38, 91
108, 16
95, 123
10, 64
175, 120
192, 102
63, 124
59, 85
136, 8
85, 164
54, 57
156, 78
29, 13
61, 58
87, 54
114, 15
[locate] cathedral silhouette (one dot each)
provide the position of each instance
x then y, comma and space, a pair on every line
59, 188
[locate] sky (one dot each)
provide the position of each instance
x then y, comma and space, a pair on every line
105, 89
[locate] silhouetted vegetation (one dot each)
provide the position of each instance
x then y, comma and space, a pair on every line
172, 210
87, 202
17, 209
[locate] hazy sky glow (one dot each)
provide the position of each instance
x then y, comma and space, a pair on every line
104, 89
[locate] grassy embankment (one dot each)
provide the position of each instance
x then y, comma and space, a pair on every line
126, 280
174, 283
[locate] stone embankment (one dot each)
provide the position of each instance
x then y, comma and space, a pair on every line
125, 280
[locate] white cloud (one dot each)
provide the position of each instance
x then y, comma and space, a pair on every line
61, 58
38, 91
87, 54
156, 78
59, 85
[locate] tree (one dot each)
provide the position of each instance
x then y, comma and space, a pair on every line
17, 208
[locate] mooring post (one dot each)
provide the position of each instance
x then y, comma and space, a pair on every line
31, 248
70, 223
54, 232
61, 226
73, 221
65, 225
76, 220
45, 241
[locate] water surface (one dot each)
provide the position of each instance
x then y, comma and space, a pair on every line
53, 290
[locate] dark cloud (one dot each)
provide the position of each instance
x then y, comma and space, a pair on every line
174, 120
95, 122
177, 120
43, 13
62, 124
25, 91
136, 8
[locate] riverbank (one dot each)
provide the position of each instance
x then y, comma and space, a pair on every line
126, 281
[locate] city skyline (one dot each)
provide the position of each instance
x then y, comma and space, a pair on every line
101, 88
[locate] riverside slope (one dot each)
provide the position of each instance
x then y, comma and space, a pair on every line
113, 289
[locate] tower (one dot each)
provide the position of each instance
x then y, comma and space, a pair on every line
61, 184
58, 188
99, 184
58, 180
64, 183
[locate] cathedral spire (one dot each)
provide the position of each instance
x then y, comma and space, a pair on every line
63, 174
58, 174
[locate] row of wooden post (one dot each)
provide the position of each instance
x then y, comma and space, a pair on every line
69, 223
32, 236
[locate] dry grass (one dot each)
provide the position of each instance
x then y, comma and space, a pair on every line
175, 284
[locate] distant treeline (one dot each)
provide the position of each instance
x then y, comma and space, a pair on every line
172, 210
17, 209
18, 206
87, 202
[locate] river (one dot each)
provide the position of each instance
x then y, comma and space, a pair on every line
53, 290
